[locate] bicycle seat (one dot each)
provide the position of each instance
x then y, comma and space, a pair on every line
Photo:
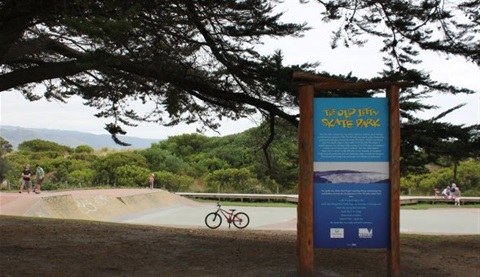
232, 210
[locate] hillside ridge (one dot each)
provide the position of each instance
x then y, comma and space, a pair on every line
16, 135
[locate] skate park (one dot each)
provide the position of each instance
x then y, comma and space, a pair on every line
162, 208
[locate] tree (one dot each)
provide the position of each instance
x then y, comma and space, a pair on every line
463, 144
468, 179
6, 146
107, 166
38, 145
428, 141
131, 176
86, 149
198, 63
172, 182
202, 164
228, 180
195, 61
160, 159
81, 177
4, 167
409, 27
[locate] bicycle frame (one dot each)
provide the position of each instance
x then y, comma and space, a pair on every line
228, 215
214, 219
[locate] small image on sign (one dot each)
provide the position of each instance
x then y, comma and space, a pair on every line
365, 233
336, 233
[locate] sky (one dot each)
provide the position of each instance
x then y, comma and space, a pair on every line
313, 47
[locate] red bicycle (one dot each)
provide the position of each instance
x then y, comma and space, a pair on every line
213, 220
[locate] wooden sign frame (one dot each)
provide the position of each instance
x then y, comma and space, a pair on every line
308, 85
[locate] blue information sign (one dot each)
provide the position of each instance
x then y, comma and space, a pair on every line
351, 173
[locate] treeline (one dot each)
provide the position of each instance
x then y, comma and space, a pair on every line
192, 162
189, 162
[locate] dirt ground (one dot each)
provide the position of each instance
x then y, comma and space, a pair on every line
52, 247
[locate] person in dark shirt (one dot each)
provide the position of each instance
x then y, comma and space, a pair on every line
26, 179
453, 188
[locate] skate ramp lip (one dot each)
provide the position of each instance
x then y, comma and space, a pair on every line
100, 205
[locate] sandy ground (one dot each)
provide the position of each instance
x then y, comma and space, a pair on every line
59, 247
34, 246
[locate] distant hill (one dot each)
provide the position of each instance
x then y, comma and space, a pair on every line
17, 135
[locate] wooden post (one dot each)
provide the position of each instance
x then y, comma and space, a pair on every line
394, 246
305, 183
305, 147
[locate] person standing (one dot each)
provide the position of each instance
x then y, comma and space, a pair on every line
40, 174
26, 179
151, 180
458, 195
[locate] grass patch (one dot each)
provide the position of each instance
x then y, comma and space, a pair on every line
248, 203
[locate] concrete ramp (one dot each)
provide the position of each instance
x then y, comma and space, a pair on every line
143, 202
99, 205
61, 206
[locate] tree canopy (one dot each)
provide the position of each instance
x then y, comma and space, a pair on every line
190, 60
407, 27
196, 61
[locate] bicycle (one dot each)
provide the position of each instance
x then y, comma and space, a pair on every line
213, 220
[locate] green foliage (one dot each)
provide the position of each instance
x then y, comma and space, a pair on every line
235, 150
87, 157
253, 186
84, 149
201, 164
81, 178
228, 180
131, 176
4, 167
159, 159
468, 179
235, 163
38, 145
282, 164
198, 63
185, 146
17, 162
59, 168
172, 182
106, 166
5, 146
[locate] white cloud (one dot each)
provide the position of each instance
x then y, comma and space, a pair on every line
74, 116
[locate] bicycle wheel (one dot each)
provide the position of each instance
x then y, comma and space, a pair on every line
213, 220
241, 220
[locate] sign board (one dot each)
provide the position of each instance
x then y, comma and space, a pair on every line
351, 173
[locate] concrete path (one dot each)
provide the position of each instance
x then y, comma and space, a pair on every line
462, 221
458, 220
186, 216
